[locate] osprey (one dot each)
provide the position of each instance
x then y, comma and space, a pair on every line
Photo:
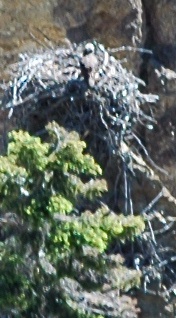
88, 64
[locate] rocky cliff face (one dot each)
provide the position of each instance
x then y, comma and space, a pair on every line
27, 25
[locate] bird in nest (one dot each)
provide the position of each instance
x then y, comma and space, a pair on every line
89, 64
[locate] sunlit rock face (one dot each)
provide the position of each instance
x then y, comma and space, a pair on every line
25, 25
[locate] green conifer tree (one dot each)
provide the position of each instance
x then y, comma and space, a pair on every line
55, 233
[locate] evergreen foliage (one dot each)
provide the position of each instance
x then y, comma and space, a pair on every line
55, 233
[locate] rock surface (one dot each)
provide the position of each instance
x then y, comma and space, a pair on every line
26, 25
161, 17
161, 79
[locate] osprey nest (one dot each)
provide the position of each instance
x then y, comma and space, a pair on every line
83, 88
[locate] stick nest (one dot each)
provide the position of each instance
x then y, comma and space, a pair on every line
52, 84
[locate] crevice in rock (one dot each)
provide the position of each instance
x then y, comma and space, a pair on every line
149, 42
78, 34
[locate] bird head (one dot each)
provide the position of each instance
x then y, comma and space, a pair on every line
89, 48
